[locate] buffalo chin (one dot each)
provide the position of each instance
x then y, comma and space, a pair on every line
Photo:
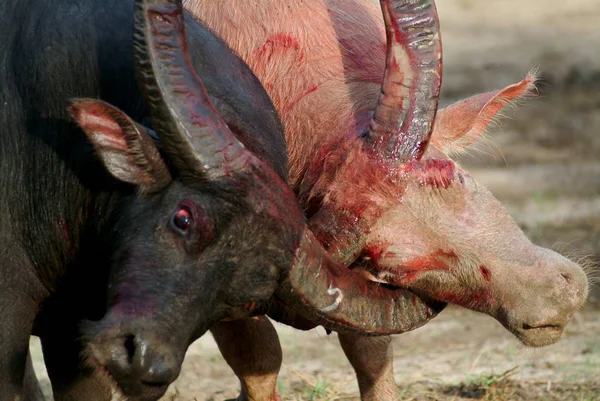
538, 336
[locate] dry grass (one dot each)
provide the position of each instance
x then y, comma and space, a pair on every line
501, 387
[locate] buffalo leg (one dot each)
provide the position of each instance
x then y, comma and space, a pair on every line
31, 387
71, 379
372, 360
17, 314
251, 348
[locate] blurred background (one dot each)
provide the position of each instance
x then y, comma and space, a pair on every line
543, 163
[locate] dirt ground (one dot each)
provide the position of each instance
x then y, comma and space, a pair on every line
543, 164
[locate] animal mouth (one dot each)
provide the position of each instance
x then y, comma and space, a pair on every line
150, 390
538, 335
540, 327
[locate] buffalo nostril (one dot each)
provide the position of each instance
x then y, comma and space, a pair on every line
567, 276
130, 348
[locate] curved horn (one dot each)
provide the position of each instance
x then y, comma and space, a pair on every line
342, 300
403, 120
198, 141
194, 136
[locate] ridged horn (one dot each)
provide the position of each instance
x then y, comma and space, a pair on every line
195, 137
403, 120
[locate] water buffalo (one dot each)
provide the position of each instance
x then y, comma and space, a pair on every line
148, 236
378, 197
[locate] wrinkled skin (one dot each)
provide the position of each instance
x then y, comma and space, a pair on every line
432, 228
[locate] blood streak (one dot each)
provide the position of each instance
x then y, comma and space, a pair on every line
293, 103
433, 172
65, 231
375, 252
275, 44
485, 272
409, 271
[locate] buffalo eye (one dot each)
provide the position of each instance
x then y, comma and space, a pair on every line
182, 220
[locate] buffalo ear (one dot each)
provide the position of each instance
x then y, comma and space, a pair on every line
126, 148
462, 123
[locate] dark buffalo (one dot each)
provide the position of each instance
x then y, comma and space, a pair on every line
153, 238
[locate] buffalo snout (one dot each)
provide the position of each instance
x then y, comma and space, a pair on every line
555, 289
141, 359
